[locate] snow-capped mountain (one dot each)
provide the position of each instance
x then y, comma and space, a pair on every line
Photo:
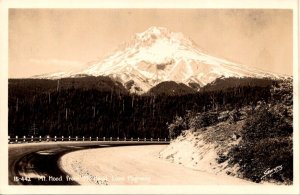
158, 55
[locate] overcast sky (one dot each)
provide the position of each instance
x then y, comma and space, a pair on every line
50, 40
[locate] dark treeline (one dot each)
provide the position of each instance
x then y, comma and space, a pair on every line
44, 107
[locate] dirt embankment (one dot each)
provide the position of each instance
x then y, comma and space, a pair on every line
203, 149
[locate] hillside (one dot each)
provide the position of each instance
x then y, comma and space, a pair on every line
253, 142
170, 88
31, 87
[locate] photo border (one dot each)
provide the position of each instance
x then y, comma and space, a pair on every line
153, 189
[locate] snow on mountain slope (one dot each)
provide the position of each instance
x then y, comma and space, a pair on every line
158, 55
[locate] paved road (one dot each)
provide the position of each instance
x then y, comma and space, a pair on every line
30, 163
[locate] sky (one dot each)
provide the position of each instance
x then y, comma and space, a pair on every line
52, 40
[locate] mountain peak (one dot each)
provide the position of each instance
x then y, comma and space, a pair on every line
152, 34
156, 30
158, 55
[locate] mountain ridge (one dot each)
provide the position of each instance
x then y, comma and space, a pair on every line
158, 55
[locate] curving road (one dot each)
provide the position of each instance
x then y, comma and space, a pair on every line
37, 163
136, 165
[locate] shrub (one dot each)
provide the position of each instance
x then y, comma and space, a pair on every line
191, 120
176, 127
266, 144
199, 120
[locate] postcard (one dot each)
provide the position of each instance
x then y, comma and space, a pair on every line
149, 97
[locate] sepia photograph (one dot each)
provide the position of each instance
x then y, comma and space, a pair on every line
139, 99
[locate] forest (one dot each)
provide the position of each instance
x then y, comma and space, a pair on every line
100, 106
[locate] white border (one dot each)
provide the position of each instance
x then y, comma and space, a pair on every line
261, 4
222, 189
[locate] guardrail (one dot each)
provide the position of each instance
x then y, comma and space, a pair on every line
32, 139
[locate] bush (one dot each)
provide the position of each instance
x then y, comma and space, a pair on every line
199, 120
266, 144
176, 127
191, 120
